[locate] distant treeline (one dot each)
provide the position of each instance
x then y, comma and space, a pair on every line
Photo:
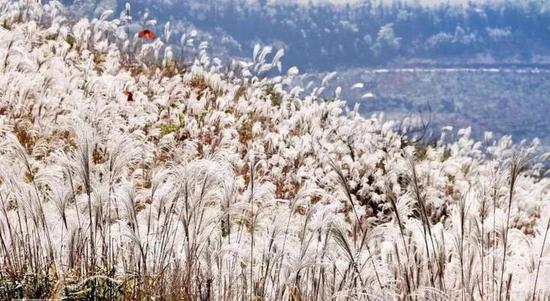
369, 34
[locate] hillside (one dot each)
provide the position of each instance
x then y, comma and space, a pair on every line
320, 36
210, 182
355, 38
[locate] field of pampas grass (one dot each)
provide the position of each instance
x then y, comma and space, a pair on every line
217, 183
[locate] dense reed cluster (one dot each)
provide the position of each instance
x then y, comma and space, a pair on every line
216, 183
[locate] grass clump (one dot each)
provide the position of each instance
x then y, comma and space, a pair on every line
275, 96
166, 129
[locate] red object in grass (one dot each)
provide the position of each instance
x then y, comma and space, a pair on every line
147, 34
129, 95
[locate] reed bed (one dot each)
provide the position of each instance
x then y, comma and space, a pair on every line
217, 183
